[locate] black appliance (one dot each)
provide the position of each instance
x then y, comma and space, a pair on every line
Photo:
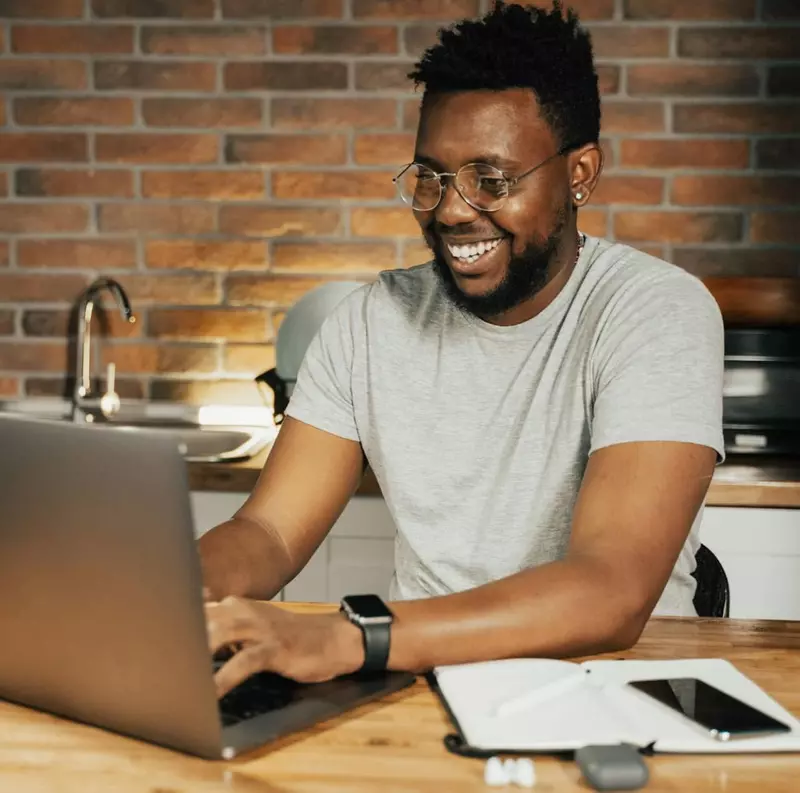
761, 398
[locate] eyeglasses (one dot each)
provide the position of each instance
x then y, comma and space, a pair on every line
482, 186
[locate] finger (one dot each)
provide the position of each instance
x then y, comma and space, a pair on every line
239, 668
208, 597
227, 624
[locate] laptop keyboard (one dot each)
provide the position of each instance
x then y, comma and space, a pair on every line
259, 694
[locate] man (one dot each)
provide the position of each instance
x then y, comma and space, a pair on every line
542, 409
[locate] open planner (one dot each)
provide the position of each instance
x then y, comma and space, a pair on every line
589, 703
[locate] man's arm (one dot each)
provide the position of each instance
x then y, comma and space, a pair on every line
634, 512
308, 478
635, 509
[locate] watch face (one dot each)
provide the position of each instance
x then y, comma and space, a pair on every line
368, 606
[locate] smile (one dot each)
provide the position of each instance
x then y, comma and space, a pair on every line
472, 252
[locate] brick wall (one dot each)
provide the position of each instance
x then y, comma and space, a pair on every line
220, 157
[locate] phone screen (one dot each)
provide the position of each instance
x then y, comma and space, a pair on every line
708, 706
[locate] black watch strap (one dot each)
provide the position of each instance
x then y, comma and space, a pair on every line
377, 638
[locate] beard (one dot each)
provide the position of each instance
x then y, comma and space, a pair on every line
526, 275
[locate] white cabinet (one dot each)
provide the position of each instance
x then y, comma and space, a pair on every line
356, 557
760, 551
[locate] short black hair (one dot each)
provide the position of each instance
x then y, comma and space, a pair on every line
515, 46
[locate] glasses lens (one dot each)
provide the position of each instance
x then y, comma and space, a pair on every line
483, 186
419, 187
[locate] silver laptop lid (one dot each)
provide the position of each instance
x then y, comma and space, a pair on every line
100, 585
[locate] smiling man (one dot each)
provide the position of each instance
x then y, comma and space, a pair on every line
541, 408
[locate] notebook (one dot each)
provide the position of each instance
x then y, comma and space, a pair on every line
592, 705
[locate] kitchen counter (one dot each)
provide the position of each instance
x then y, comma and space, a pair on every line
395, 745
741, 481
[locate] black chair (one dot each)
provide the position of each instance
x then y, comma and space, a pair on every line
712, 597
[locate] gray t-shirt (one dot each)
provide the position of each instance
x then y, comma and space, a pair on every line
479, 435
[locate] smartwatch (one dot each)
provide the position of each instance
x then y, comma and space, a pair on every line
374, 618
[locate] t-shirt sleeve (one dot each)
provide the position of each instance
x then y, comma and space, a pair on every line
323, 394
658, 367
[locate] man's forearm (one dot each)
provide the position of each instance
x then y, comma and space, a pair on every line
563, 609
243, 558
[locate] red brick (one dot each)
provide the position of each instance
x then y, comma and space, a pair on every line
267, 289
198, 254
411, 110
72, 39
446, 10
738, 42
62, 387
778, 153
33, 356
317, 114
287, 149
137, 147
677, 226
146, 76
276, 221
206, 392
143, 9
733, 261
143, 358
691, 153
327, 257
230, 185
282, 9
206, 40
178, 289
61, 182
628, 190
42, 9
47, 288
156, 218
780, 9
89, 254
414, 253
57, 323
4, 260
333, 184
593, 222
74, 111
211, 113
285, 76
390, 149
632, 116
210, 323
750, 117
384, 76
9, 387
35, 218
784, 81
418, 38
594, 9
690, 9
37, 74
42, 146
383, 222
627, 41
775, 227
691, 80
6, 322
735, 190
334, 40
249, 358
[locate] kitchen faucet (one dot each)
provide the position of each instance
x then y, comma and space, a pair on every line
82, 401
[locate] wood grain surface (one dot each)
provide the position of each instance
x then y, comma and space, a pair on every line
395, 745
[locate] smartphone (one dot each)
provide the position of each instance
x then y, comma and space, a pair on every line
721, 715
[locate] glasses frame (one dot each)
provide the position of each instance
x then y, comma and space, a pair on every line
511, 181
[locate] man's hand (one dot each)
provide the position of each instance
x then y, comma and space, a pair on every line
309, 648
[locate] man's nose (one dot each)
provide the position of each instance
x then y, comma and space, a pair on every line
453, 210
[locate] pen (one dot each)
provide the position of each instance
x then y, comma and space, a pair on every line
539, 695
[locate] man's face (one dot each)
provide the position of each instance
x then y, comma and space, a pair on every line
504, 129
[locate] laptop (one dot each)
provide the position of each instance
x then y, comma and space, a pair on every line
102, 617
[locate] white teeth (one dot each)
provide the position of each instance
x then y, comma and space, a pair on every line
470, 253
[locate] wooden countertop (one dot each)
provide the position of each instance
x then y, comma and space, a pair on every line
395, 745
741, 481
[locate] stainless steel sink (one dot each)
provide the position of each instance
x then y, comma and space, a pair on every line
208, 433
